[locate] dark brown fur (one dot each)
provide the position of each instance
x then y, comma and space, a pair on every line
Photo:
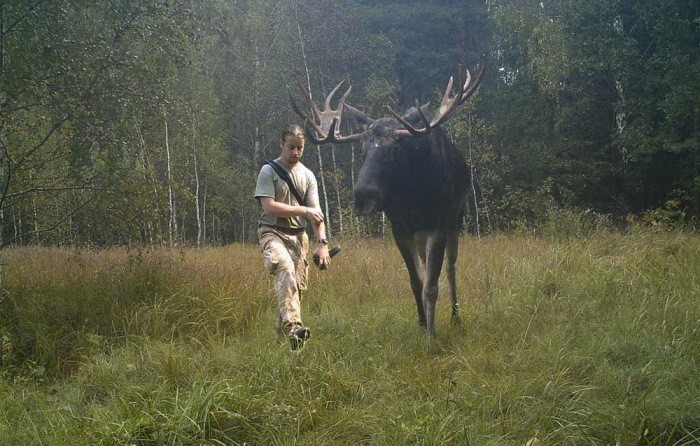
421, 185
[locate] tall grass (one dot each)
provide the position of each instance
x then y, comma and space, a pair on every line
583, 341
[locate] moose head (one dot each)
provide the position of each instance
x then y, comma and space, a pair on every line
378, 138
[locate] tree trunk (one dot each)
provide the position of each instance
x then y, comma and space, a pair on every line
318, 148
145, 162
197, 205
36, 220
15, 222
257, 148
352, 166
34, 209
172, 220
327, 220
486, 210
620, 116
471, 175
2, 35
204, 215
183, 227
352, 180
336, 186
196, 187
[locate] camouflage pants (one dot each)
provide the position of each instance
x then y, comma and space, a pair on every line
284, 256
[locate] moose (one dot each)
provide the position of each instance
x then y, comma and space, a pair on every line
414, 174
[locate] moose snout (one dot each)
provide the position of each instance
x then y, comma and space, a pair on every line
367, 199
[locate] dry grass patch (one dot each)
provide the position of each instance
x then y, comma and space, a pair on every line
589, 341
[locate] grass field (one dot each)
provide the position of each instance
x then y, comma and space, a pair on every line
582, 341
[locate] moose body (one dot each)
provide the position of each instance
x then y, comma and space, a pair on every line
421, 185
414, 174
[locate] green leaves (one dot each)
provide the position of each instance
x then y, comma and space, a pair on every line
598, 99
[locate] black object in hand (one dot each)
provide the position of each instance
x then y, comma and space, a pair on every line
331, 253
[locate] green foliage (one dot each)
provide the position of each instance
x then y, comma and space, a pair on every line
671, 216
585, 105
601, 77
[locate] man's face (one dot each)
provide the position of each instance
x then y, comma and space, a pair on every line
292, 149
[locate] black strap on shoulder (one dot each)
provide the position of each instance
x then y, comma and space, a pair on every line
285, 176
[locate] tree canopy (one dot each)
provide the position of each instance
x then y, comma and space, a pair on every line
147, 122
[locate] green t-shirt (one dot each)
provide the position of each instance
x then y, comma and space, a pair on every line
271, 185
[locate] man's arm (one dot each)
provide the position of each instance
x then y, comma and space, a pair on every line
324, 259
281, 210
319, 227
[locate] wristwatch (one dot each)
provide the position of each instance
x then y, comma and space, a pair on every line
323, 241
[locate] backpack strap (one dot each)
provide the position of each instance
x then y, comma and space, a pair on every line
285, 176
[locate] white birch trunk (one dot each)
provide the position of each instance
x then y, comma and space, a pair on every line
471, 176
204, 215
257, 148
197, 205
352, 166
327, 220
337, 192
196, 187
352, 179
36, 220
35, 212
172, 221
15, 222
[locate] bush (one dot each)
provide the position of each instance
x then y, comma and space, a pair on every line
673, 214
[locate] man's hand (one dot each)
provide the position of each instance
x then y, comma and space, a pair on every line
324, 260
313, 214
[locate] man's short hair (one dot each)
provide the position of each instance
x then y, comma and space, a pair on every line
294, 130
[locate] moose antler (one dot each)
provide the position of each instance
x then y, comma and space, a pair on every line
448, 106
329, 119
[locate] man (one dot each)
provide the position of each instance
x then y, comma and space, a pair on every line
282, 231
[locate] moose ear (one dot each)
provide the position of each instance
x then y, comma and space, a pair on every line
413, 117
357, 119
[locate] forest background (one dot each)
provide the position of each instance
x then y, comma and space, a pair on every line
146, 122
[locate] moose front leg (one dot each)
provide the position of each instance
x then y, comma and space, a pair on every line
435, 253
409, 251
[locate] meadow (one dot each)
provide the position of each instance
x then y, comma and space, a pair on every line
588, 340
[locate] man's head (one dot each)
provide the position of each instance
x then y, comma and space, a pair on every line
292, 141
